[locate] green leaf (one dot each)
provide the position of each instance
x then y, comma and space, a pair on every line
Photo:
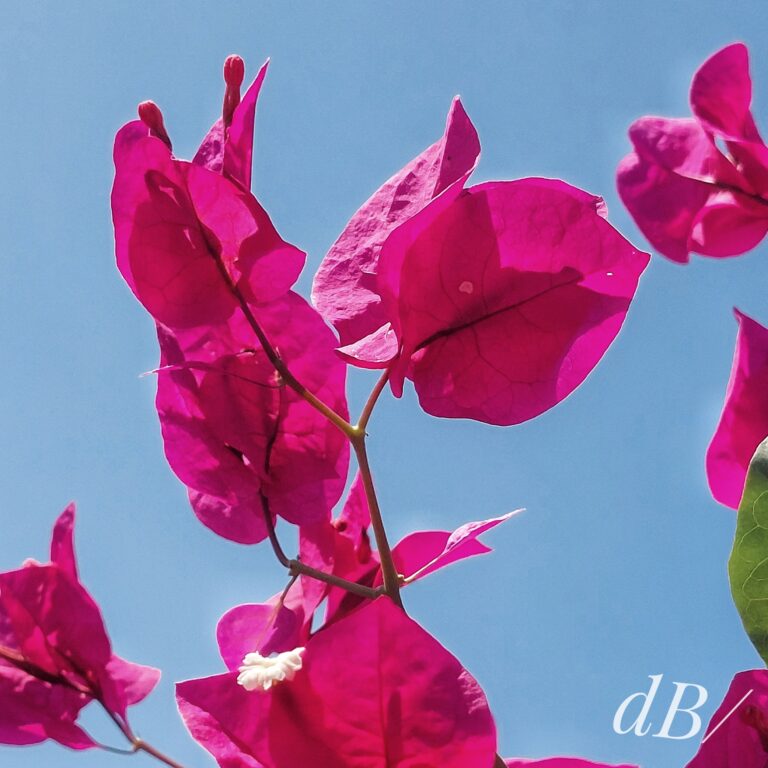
748, 566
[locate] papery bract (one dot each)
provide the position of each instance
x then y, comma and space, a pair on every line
415, 556
669, 182
465, 290
343, 548
180, 227
239, 438
63, 542
504, 297
345, 289
560, 762
55, 655
161, 250
737, 735
374, 690
424, 552
263, 627
32, 711
683, 192
744, 421
353, 522
721, 99
282, 623
185, 234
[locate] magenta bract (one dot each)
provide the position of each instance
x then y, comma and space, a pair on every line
203, 257
55, 655
505, 298
182, 232
264, 627
185, 231
737, 735
375, 690
560, 762
245, 444
683, 192
721, 99
744, 421
496, 300
345, 289
343, 548
424, 552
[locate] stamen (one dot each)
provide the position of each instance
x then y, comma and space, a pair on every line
260, 673
234, 72
152, 117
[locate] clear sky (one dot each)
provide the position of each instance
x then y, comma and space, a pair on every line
617, 569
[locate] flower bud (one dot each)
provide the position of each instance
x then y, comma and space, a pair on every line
152, 117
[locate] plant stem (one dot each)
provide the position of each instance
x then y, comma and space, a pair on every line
277, 548
370, 404
278, 363
296, 567
20, 662
355, 434
388, 571
142, 746
139, 745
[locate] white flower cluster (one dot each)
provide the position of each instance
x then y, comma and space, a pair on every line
260, 673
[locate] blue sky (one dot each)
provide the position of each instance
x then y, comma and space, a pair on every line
617, 569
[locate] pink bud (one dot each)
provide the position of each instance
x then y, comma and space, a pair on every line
234, 72
152, 117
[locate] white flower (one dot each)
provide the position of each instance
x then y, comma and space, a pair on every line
260, 673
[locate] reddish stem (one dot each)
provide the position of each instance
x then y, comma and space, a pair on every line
370, 404
356, 436
139, 745
388, 571
278, 363
296, 567
17, 660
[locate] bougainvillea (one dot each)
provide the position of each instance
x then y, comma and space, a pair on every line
246, 446
701, 185
560, 762
497, 301
374, 689
737, 736
744, 421
55, 654
684, 192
